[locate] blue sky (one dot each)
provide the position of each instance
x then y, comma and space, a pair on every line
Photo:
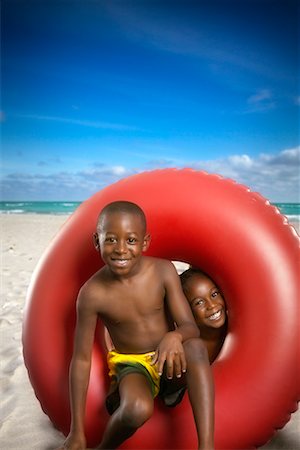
97, 90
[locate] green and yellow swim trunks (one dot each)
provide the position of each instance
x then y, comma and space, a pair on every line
121, 364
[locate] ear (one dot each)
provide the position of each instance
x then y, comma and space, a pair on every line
146, 243
96, 241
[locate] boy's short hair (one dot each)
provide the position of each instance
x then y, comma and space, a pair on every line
122, 206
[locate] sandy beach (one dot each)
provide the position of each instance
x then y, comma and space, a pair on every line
23, 424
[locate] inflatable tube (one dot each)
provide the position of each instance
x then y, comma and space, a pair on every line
245, 245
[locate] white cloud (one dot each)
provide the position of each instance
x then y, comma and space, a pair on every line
241, 161
262, 95
286, 157
261, 101
63, 185
103, 170
154, 28
119, 170
80, 122
275, 176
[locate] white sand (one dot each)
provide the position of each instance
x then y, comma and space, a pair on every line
23, 424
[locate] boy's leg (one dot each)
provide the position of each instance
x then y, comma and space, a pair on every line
201, 391
136, 407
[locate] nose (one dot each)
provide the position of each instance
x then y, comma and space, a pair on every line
121, 247
210, 303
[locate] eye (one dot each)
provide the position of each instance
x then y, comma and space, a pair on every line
132, 240
215, 294
199, 302
110, 240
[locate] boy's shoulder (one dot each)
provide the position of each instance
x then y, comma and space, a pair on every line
160, 263
93, 286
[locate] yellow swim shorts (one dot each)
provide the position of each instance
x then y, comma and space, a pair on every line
120, 364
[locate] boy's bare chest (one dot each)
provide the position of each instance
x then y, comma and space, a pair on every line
133, 303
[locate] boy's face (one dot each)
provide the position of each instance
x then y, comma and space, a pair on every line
122, 239
207, 303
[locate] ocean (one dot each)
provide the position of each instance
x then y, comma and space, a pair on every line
290, 210
56, 208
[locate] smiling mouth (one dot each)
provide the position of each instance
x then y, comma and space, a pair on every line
215, 316
120, 262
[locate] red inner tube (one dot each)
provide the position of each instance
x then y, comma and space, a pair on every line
250, 251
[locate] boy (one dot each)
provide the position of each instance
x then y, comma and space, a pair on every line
131, 294
208, 307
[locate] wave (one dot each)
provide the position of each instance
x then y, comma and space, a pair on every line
290, 210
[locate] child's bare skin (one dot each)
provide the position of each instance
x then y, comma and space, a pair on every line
209, 310
208, 307
130, 295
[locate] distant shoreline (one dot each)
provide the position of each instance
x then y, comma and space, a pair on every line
290, 210
62, 217
58, 220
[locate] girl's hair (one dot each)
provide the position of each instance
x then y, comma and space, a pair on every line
187, 274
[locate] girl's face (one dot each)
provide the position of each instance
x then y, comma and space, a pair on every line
206, 301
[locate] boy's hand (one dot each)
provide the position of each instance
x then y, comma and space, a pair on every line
171, 352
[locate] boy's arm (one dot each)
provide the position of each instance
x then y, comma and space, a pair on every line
178, 305
170, 349
80, 368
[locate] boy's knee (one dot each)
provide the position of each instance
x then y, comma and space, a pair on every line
135, 413
195, 350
